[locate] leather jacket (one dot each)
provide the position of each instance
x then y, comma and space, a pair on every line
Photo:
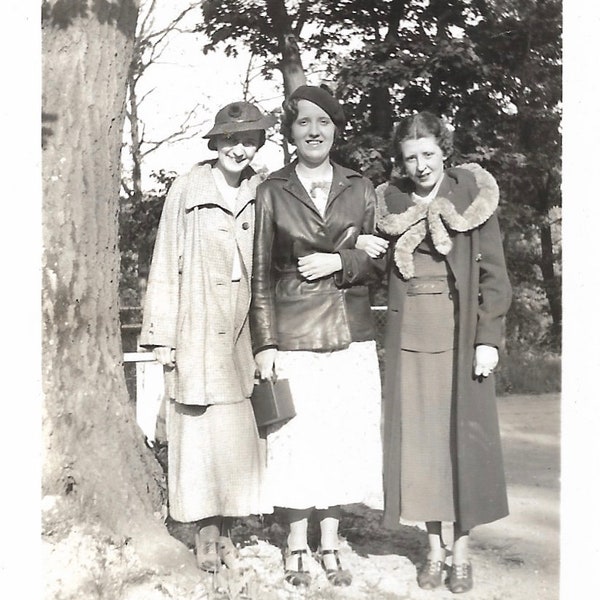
287, 311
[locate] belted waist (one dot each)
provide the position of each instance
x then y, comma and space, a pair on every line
428, 285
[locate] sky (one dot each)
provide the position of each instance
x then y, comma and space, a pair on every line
185, 76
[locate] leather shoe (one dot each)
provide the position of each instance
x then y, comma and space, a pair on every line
339, 576
298, 576
430, 574
461, 578
207, 556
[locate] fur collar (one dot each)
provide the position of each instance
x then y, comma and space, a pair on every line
438, 217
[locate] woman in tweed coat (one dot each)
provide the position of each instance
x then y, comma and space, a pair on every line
448, 294
196, 320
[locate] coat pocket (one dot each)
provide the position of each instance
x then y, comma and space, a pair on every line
312, 322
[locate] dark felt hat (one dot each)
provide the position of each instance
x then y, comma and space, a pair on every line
238, 116
321, 97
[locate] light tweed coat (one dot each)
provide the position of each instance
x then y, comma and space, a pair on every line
188, 300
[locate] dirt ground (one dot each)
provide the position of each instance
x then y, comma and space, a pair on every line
516, 558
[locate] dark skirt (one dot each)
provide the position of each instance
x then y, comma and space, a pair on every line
427, 449
427, 363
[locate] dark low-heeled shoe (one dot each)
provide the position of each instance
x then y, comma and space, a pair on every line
461, 578
430, 574
339, 577
299, 576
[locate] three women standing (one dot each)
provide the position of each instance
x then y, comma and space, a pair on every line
448, 294
196, 320
311, 324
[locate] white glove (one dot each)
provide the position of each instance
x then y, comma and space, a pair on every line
266, 363
165, 355
486, 359
373, 245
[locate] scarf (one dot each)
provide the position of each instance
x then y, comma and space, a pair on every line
439, 217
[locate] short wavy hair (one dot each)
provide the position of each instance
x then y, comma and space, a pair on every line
419, 125
288, 116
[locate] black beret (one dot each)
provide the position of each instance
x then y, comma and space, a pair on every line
321, 97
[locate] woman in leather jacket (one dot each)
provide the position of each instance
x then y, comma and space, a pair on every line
311, 323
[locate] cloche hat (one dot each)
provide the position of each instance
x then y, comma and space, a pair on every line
238, 116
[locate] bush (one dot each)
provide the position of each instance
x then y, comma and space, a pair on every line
526, 373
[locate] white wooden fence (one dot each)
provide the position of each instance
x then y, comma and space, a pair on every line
150, 398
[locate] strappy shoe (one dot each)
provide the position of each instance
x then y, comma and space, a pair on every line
339, 577
299, 576
431, 573
461, 578
228, 553
207, 555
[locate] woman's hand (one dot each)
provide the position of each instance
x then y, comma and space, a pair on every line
486, 359
265, 363
320, 264
373, 245
165, 355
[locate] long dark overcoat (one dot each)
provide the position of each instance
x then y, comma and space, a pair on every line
484, 293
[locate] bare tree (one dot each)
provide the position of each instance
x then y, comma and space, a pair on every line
151, 41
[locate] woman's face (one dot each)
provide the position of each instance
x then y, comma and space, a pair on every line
424, 162
236, 150
313, 133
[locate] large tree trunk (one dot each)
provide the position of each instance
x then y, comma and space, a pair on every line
96, 467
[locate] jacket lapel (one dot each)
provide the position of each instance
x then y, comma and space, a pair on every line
294, 187
448, 189
202, 189
339, 183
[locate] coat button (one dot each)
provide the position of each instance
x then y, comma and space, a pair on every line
245, 225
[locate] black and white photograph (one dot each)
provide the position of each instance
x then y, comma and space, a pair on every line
293, 309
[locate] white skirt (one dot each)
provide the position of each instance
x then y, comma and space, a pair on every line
330, 453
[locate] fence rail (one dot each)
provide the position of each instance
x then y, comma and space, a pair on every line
144, 375
146, 356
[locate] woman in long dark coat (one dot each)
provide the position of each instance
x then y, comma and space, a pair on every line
448, 294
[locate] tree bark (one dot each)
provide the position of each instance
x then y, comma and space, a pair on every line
291, 62
95, 460
382, 120
551, 283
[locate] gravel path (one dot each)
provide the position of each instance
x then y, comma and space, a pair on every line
516, 558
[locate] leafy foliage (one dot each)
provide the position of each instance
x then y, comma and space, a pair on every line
493, 69
138, 223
